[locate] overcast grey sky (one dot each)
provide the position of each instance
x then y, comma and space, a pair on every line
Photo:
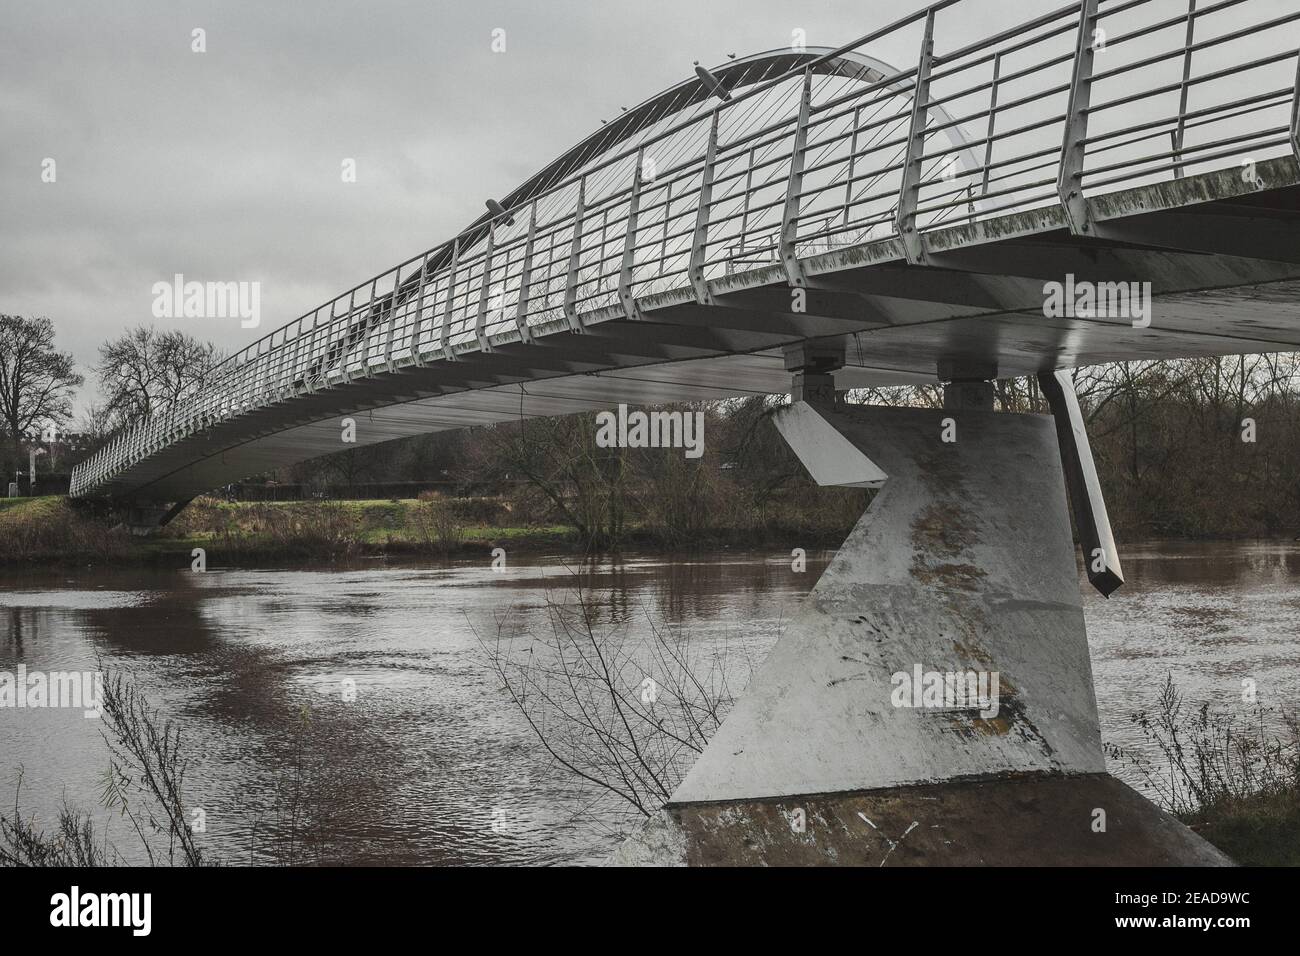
225, 165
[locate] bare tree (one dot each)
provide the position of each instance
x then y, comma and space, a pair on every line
93, 424
583, 484
36, 379
144, 371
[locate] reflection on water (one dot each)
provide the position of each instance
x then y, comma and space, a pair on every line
1210, 615
413, 749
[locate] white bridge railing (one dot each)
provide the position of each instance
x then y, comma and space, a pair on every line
1099, 95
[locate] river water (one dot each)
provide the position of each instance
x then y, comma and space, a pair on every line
370, 684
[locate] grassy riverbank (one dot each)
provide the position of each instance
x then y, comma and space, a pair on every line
1262, 829
46, 530
52, 531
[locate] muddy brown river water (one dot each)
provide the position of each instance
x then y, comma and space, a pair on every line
373, 678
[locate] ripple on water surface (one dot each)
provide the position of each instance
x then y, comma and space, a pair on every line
374, 680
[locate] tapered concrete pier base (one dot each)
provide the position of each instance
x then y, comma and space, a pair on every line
1039, 820
935, 689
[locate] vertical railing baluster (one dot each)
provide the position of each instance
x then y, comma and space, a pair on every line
525, 279
448, 352
745, 201
309, 348
604, 244
370, 326
268, 384
625, 293
485, 290
909, 194
1074, 148
1182, 95
275, 381
343, 339
277, 363
320, 341
668, 215
1295, 114
700, 238
392, 320
794, 186
575, 254
992, 125
419, 312
295, 363
853, 163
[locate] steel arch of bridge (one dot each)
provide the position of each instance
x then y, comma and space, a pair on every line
816, 152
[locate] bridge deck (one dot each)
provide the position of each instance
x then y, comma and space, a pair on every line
791, 212
982, 301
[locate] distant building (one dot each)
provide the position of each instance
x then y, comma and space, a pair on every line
67, 449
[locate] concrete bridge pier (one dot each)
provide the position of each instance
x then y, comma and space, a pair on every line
932, 702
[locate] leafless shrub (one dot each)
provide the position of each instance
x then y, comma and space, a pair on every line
625, 717
318, 528
1213, 760
682, 500
146, 759
73, 842
436, 526
144, 785
482, 509
314, 529
570, 479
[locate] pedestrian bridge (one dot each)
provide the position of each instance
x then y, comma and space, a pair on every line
902, 221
